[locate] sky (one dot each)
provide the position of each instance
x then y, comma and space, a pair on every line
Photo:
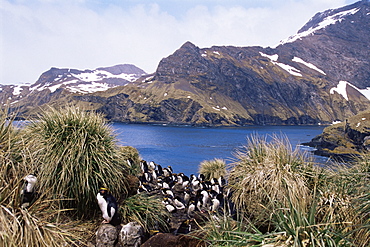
36, 35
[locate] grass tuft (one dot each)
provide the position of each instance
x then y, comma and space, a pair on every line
148, 211
212, 168
266, 172
79, 155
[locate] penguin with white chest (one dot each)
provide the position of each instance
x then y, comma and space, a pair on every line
109, 207
28, 193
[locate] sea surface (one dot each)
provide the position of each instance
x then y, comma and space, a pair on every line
184, 147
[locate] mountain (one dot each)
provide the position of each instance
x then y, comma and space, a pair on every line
58, 83
317, 76
87, 81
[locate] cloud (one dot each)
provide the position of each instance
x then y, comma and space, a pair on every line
37, 35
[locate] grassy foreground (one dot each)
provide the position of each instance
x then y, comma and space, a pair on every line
281, 198
73, 153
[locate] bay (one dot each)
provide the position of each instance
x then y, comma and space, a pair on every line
184, 147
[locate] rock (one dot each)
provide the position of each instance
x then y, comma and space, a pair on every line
346, 140
131, 235
170, 240
106, 236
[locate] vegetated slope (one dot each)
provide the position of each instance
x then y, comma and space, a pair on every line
344, 139
319, 75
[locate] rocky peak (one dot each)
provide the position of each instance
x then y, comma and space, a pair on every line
336, 41
332, 16
188, 46
123, 69
325, 20
182, 63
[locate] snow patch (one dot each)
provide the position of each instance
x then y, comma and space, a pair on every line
365, 92
340, 89
335, 122
148, 79
54, 88
98, 75
309, 65
326, 22
17, 90
364, 118
165, 94
88, 88
358, 125
271, 57
216, 52
291, 70
342, 86
216, 108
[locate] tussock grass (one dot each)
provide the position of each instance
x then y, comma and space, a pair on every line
304, 228
79, 155
267, 172
212, 168
148, 211
301, 204
351, 185
132, 155
221, 230
38, 225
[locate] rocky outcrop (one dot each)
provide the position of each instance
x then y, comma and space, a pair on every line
344, 140
131, 235
106, 236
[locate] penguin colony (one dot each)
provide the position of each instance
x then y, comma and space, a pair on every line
182, 195
186, 195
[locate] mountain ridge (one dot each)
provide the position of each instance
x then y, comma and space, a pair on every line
316, 78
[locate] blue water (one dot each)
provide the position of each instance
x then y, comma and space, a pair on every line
184, 148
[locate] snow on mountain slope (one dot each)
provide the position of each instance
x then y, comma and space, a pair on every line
309, 65
341, 89
87, 81
291, 70
329, 20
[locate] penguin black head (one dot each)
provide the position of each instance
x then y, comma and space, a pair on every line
103, 191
